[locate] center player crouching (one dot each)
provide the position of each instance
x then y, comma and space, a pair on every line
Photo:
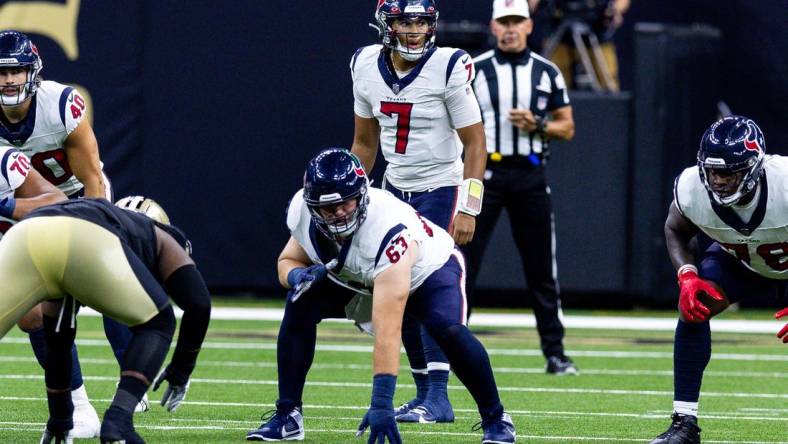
369, 242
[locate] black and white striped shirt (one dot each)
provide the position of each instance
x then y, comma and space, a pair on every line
524, 80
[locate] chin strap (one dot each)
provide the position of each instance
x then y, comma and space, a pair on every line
471, 195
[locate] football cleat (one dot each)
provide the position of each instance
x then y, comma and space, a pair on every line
279, 426
50, 437
143, 405
86, 420
561, 365
405, 408
118, 428
500, 431
430, 412
683, 430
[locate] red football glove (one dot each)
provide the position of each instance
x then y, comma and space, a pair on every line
784, 332
690, 285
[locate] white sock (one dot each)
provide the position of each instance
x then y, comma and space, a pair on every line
686, 408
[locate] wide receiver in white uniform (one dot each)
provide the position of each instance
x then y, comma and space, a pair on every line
738, 197
416, 101
45, 121
369, 242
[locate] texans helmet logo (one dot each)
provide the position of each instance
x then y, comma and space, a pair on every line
357, 168
751, 142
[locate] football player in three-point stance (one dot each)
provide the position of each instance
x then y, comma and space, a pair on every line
122, 264
736, 196
415, 99
351, 242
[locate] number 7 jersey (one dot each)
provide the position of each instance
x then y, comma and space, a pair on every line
418, 113
54, 113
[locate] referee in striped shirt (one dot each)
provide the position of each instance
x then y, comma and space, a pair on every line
524, 105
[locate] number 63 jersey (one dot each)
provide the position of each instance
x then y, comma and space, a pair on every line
54, 113
757, 235
390, 228
418, 113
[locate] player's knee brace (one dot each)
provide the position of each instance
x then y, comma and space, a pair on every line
150, 344
59, 338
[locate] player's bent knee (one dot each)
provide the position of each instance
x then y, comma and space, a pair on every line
32, 320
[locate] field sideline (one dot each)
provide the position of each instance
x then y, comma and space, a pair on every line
623, 395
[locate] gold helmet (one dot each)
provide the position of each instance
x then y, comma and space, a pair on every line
146, 206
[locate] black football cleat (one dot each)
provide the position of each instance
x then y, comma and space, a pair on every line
118, 428
684, 430
561, 365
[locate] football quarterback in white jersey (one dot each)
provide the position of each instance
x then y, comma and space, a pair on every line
416, 101
738, 197
369, 241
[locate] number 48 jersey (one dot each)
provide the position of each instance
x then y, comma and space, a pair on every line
418, 113
54, 113
760, 243
390, 228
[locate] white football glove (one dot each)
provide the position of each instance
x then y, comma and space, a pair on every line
50, 437
174, 394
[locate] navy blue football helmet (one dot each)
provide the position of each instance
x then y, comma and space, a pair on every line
390, 10
333, 177
733, 145
16, 50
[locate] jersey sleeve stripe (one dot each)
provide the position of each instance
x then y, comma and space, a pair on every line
355, 59
4, 167
453, 61
386, 239
63, 97
676, 195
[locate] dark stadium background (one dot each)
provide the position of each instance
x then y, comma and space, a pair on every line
213, 108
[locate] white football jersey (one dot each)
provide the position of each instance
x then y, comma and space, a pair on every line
389, 229
758, 238
55, 112
418, 113
14, 167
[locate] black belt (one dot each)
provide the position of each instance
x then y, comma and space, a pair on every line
496, 159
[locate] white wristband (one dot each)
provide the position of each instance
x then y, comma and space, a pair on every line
471, 195
685, 268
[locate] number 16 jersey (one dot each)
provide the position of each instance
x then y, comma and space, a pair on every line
418, 112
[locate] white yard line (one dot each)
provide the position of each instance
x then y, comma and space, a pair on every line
366, 367
36, 428
518, 320
451, 387
344, 348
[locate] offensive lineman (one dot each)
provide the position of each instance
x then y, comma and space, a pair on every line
737, 196
415, 99
45, 121
376, 245
122, 264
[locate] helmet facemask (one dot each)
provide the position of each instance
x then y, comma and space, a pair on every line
343, 226
391, 37
24, 90
750, 172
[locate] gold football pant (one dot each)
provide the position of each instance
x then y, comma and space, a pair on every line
50, 257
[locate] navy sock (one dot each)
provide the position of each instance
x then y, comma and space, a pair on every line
471, 364
422, 385
118, 336
411, 340
691, 354
38, 342
295, 350
437, 367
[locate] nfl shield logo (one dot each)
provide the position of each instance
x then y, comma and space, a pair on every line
541, 103
395, 88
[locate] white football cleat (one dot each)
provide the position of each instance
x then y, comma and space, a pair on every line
86, 420
143, 405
